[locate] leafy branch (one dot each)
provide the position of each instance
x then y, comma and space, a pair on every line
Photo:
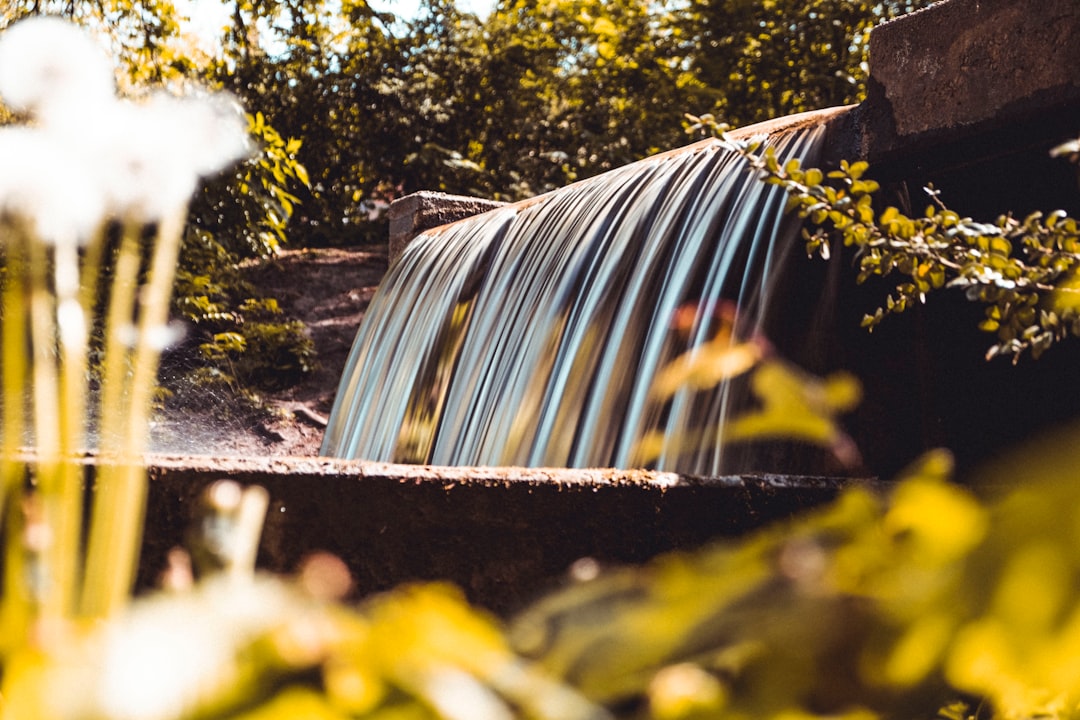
1025, 272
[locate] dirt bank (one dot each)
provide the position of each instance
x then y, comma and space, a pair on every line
329, 290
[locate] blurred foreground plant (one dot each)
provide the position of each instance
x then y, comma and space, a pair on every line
893, 602
69, 209
791, 405
899, 605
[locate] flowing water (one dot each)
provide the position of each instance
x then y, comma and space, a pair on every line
531, 335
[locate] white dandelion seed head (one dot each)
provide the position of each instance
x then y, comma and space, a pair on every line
71, 323
159, 338
49, 66
45, 184
457, 695
211, 126
145, 172
170, 652
154, 152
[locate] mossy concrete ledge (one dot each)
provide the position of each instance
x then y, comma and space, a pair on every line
503, 535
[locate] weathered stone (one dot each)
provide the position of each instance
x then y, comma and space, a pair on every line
502, 534
413, 214
965, 66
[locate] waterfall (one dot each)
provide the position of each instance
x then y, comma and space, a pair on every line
530, 335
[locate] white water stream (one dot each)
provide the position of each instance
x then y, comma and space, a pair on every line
530, 335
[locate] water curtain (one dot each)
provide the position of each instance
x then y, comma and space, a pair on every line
531, 335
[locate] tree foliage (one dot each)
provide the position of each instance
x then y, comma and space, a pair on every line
752, 61
1023, 271
532, 97
353, 108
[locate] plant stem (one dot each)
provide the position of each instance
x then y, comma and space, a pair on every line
118, 329
47, 433
72, 322
120, 501
153, 317
105, 569
14, 608
15, 353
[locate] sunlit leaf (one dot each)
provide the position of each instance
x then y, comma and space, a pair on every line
704, 367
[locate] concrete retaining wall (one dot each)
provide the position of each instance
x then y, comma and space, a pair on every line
502, 534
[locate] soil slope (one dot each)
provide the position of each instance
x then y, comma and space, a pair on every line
328, 290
